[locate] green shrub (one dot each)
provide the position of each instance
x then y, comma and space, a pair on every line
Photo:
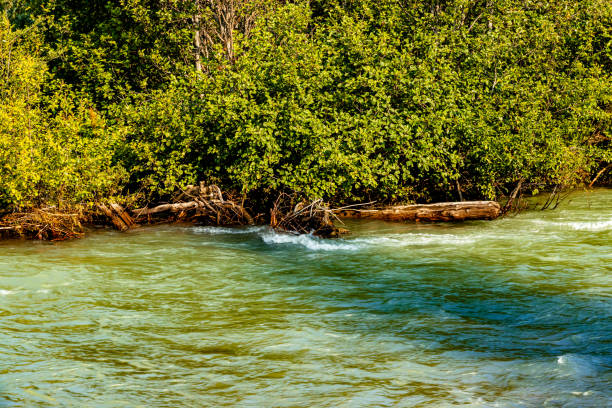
391, 103
53, 150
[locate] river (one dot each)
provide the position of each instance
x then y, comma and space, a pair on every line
515, 312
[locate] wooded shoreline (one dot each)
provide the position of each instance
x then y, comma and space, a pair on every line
345, 101
206, 205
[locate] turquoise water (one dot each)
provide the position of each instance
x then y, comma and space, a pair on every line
515, 312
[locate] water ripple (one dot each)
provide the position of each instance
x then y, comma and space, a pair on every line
514, 312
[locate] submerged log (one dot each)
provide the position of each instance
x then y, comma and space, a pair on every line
458, 211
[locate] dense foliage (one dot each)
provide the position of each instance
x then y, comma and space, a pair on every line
390, 100
52, 148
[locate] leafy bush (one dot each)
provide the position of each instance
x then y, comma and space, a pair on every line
53, 149
388, 101
345, 100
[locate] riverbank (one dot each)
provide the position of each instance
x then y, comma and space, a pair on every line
206, 205
209, 208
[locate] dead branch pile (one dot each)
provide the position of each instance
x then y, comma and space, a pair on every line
200, 204
304, 217
44, 224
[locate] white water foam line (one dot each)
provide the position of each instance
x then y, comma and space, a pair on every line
582, 365
309, 241
411, 239
314, 243
593, 226
228, 231
393, 241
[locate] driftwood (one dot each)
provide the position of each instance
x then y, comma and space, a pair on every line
510, 204
556, 196
118, 216
206, 205
304, 217
175, 208
602, 171
44, 223
458, 211
222, 211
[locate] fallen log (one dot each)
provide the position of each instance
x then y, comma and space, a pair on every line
118, 216
166, 207
602, 171
458, 211
125, 217
206, 206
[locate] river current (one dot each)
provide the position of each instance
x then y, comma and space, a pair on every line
515, 312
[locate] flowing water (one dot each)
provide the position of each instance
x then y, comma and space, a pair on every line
515, 312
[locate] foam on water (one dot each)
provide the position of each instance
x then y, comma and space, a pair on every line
393, 240
309, 242
580, 365
314, 243
4, 292
594, 226
228, 231
410, 239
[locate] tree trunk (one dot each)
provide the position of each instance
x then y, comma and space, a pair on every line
197, 42
166, 207
120, 219
459, 211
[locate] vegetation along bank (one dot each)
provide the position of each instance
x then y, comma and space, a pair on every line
312, 102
